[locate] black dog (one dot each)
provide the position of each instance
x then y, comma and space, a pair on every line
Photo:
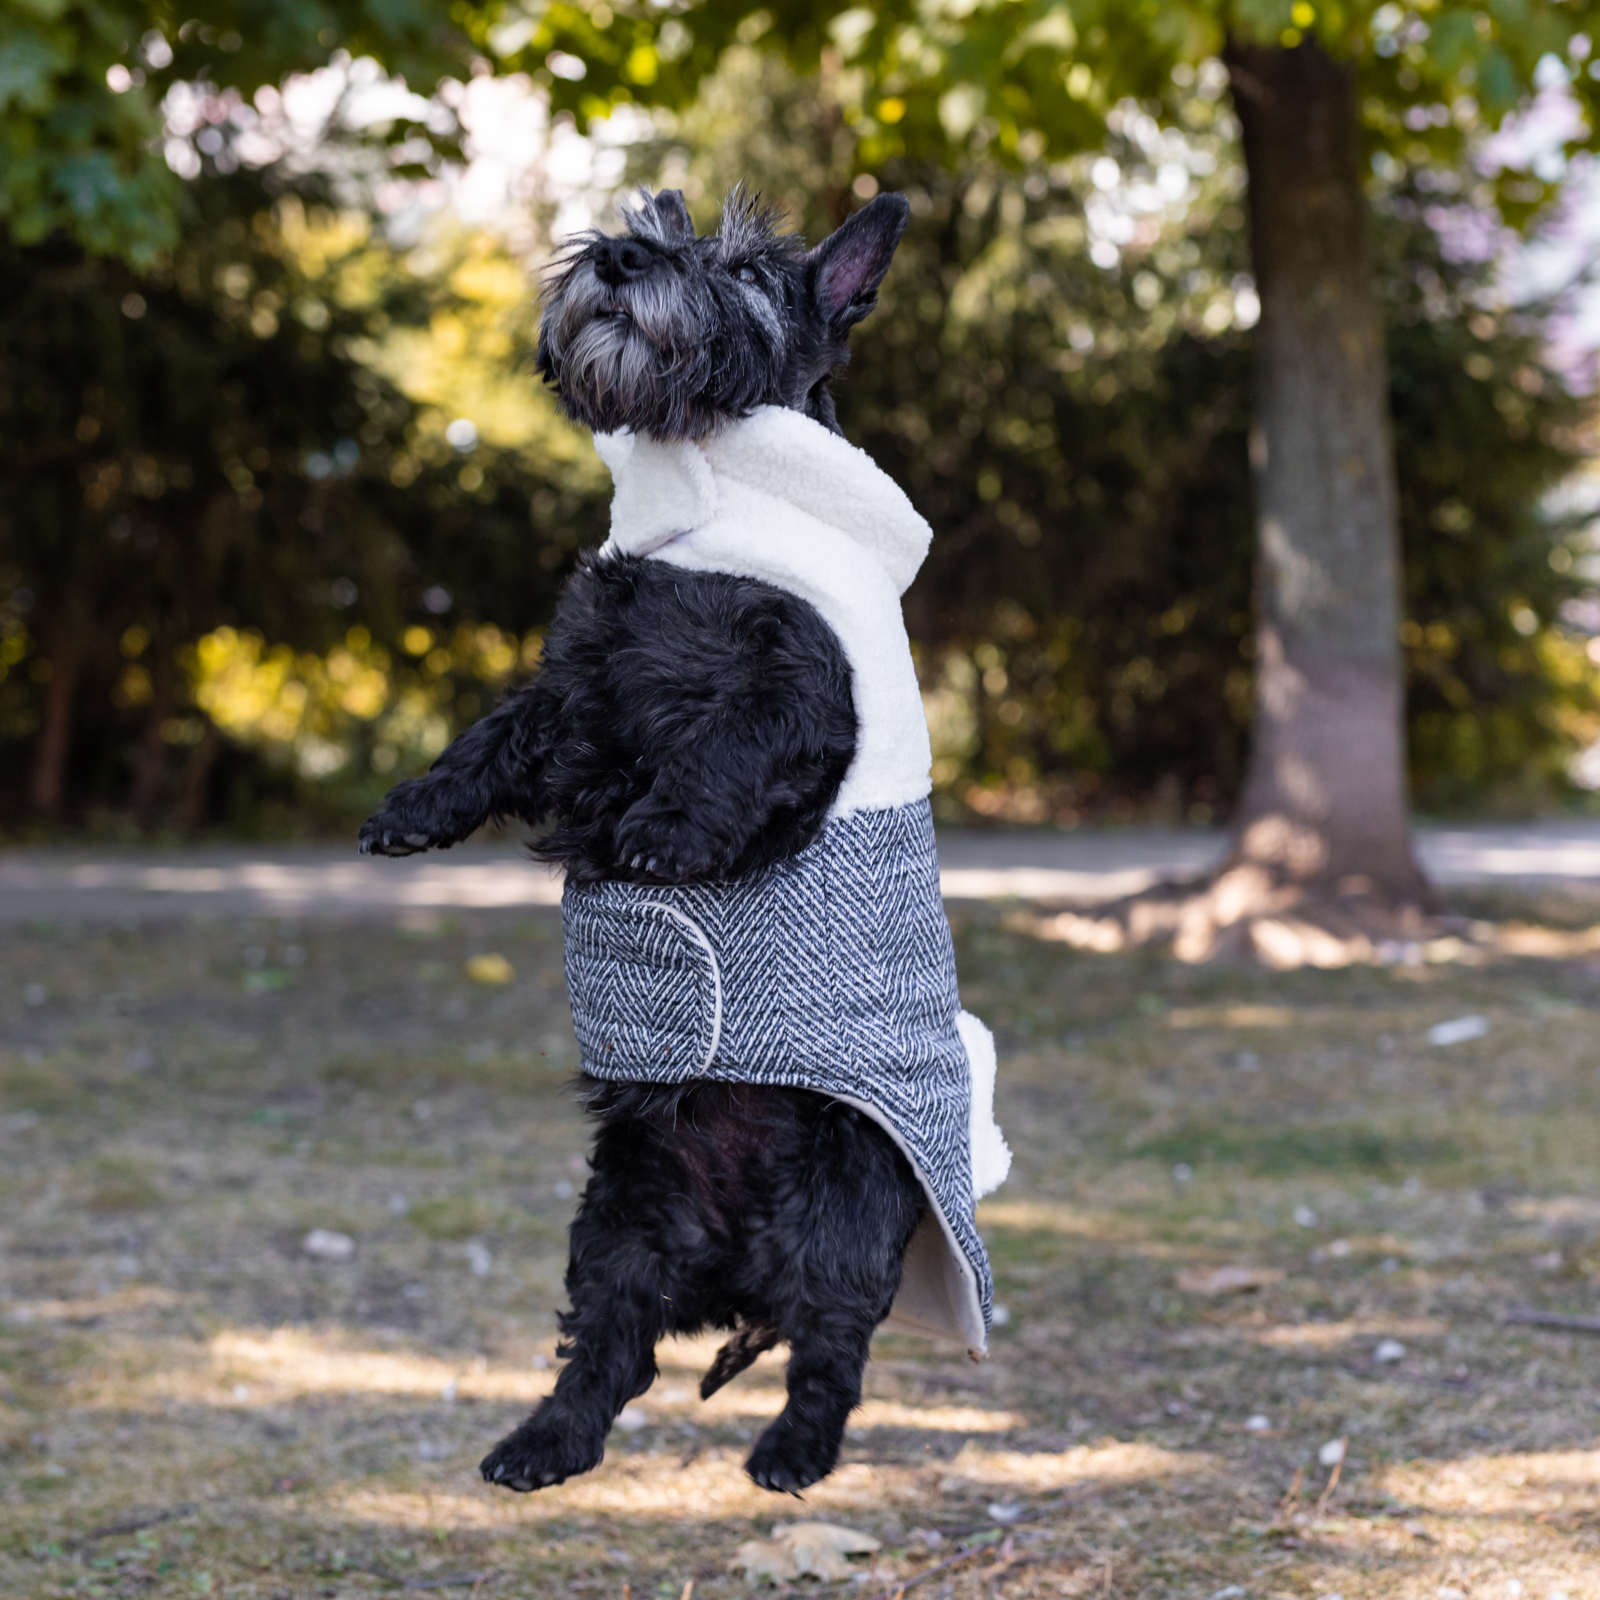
689, 728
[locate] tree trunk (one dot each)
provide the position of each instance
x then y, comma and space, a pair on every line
150, 768
1324, 802
194, 799
62, 652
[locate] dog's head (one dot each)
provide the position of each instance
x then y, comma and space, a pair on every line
672, 335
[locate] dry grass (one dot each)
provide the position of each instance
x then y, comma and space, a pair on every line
190, 1404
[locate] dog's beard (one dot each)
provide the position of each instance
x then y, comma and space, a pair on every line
646, 355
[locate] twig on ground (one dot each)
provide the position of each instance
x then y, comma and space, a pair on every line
113, 1530
933, 1572
1527, 1316
1327, 1494
1292, 1498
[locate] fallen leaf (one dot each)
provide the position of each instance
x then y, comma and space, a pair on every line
490, 969
803, 1549
1227, 1280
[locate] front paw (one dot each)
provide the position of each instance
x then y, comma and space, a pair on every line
670, 848
415, 816
379, 837
544, 1451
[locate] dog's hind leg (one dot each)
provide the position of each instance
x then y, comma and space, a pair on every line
621, 1287
849, 1225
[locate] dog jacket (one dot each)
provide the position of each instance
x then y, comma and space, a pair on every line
832, 970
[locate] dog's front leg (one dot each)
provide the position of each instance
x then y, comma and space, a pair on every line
491, 771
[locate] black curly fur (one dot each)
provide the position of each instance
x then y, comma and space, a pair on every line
717, 1205
682, 728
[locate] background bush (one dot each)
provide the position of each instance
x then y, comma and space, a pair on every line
286, 514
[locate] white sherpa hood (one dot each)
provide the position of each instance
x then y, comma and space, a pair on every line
667, 489
779, 497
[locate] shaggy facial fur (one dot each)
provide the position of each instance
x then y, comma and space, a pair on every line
671, 335
691, 727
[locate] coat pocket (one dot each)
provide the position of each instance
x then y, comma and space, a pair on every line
645, 985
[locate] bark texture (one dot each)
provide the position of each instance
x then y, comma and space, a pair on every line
54, 744
1325, 795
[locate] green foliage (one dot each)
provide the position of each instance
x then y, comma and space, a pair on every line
199, 447
1498, 695
1026, 79
1309, 1147
81, 84
1077, 437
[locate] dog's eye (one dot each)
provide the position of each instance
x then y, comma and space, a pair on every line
747, 274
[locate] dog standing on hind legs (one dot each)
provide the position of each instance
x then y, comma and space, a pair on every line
726, 736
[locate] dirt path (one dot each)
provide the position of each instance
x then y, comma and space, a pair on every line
1091, 864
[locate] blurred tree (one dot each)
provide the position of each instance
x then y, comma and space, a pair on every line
1322, 822
83, 80
1077, 435
201, 446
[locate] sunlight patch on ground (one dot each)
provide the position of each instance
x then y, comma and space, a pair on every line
1035, 1216
1102, 1463
945, 1419
710, 1487
1241, 1016
265, 1369
289, 1363
1558, 1213
1328, 1335
1517, 1484
92, 1308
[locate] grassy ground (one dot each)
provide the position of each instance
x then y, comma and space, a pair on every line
192, 1404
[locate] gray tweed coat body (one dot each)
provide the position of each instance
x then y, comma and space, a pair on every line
833, 970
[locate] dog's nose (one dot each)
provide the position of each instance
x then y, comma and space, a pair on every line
618, 260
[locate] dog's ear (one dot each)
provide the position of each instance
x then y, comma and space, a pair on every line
670, 216
847, 267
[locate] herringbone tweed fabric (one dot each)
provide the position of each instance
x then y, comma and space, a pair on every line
831, 971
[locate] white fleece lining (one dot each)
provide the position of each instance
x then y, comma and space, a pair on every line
698, 934
780, 498
991, 1155
960, 1284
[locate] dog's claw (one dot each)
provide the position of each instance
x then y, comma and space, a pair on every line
417, 841
544, 1451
